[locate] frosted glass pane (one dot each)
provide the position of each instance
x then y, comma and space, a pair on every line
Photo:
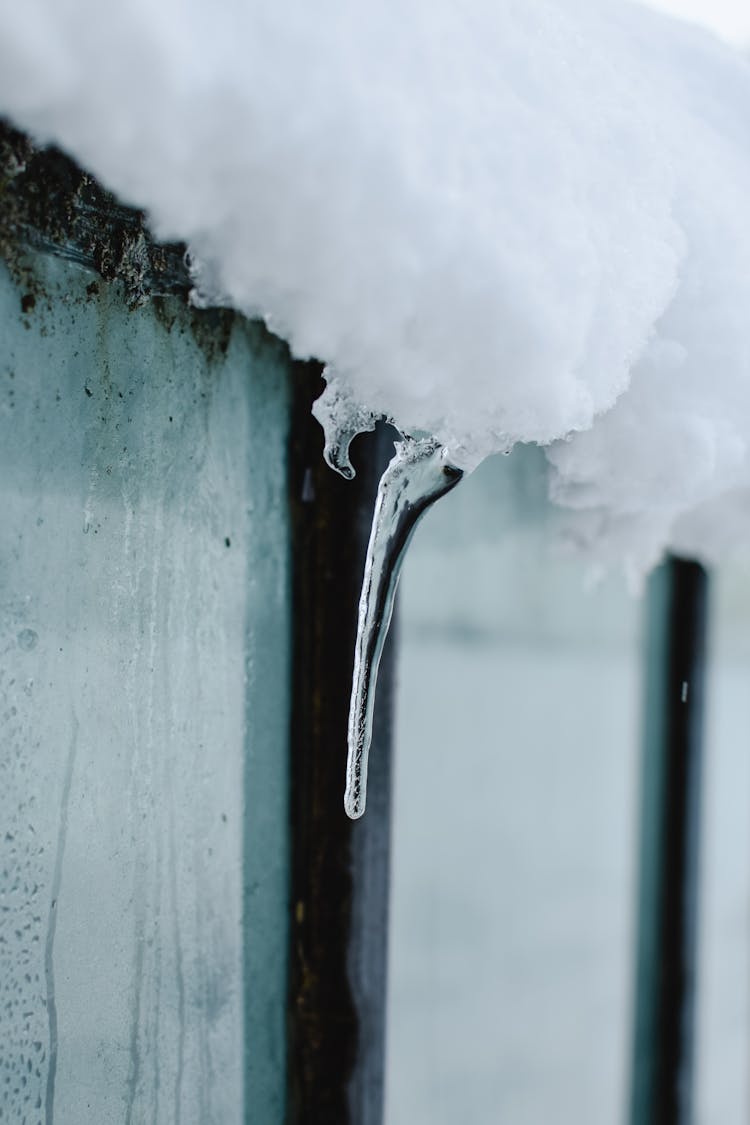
517, 750
143, 627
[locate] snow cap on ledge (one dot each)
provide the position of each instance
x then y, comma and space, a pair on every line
499, 221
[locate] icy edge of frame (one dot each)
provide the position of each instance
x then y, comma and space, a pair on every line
418, 474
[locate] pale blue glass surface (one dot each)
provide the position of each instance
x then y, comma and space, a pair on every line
144, 647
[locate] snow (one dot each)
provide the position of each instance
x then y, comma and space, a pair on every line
496, 222
728, 18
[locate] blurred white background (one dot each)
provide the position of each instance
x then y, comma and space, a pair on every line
515, 836
729, 18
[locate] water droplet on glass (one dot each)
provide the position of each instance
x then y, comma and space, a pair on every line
27, 639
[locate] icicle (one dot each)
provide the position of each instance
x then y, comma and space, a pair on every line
417, 476
342, 419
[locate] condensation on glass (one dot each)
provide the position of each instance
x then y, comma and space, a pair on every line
143, 669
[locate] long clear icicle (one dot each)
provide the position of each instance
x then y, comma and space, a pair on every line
417, 476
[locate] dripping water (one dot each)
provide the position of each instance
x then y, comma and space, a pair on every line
418, 475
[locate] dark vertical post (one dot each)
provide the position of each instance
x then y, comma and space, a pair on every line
662, 1089
339, 867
